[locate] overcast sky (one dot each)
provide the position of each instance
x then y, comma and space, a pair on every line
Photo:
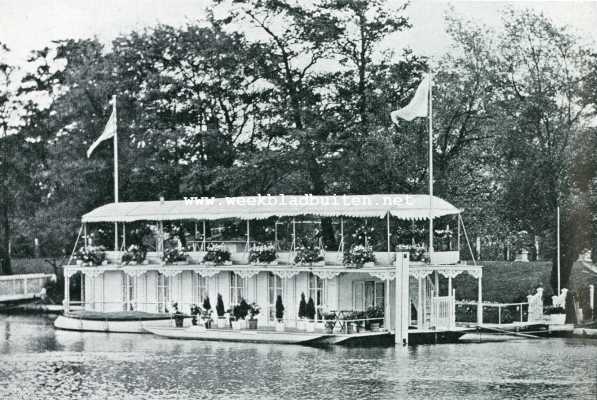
31, 24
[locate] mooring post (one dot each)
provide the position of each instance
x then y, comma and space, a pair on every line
402, 299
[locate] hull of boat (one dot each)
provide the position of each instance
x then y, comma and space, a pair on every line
251, 336
94, 325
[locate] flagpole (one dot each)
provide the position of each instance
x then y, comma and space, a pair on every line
430, 165
115, 168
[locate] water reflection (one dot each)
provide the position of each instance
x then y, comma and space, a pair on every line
40, 363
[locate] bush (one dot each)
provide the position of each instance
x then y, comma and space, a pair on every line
220, 306
279, 309
207, 304
302, 311
310, 312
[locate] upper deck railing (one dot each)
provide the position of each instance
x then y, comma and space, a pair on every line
24, 286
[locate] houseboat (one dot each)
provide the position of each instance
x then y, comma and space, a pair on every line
356, 293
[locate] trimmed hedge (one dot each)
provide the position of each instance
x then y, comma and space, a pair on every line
506, 281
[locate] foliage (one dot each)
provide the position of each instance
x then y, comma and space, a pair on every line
173, 255
375, 312
217, 253
220, 310
310, 309
265, 253
554, 310
254, 310
359, 255
135, 254
302, 311
279, 308
416, 252
91, 255
206, 304
308, 255
241, 310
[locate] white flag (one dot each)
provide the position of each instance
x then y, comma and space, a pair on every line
418, 106
109, 132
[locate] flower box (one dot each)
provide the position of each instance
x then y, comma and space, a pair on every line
369, 264
280, 327
265, 263
252, 324
300, 325
359, 255
262, 254
218, 254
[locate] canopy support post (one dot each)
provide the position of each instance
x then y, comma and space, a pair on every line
203, 244
341, 246
293, 249
458, 243
115, 236
248, 237
276, 235
388, 226
75, 246
467, 241
124, 236
196, 234
84, 235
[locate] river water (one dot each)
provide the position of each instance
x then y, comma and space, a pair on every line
38, 362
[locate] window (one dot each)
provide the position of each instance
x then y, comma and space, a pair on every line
275, 290
130, 293
163, 292
316, 293
238, 288
367, 294
199, 289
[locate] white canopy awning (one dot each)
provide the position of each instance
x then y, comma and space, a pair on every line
403, 206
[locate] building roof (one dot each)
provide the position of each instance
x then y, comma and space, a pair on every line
403, 206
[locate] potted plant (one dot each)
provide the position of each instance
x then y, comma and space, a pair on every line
310, 314
92, 255
253, 311
375, 315
217, 254
178, 316
206, 313
302, 312
239, 315
195, 311
133, 255
359, 256
263, 255
416, 253
557, 315
220, 310
279, 314
330, 321
309, 255
174, 256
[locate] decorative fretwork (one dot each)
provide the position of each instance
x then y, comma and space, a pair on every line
169, 272
286, 273
383, 275
207, 273
323, 274
246, 273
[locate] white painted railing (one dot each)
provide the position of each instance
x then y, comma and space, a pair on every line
17, 287
443, 312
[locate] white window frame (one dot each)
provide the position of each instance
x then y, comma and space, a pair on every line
163, 297
361, 304
237, 283
130, 293
200, 289
313, 291
273, 292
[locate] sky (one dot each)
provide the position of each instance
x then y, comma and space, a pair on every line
26, 25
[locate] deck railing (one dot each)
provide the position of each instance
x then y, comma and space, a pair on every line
16, 287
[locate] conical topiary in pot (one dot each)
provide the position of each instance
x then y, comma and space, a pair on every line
302, 312
310, 314
220, 310
279, 314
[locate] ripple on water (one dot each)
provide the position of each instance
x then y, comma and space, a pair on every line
40, 363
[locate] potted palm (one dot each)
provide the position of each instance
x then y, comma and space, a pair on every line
309, 255
310, 314
302, 312
330, 321
239, 315
220, 310
375, 316
178, 316
253, 311
279, 314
